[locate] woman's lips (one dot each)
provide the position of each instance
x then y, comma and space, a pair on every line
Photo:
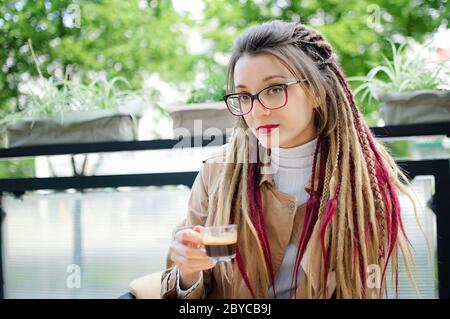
267, 129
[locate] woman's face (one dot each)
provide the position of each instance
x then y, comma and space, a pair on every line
252, 73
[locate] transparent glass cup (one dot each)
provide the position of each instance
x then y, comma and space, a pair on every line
220, 242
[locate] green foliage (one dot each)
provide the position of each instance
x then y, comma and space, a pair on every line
120, 38
57, 97
126, 38
16, 169
356, 29
402, 74
212, 89
399, 149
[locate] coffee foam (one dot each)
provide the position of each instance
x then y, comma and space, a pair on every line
225, 239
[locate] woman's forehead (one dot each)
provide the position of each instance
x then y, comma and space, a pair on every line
251, 69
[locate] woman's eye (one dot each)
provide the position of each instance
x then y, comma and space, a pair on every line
275, 90
245, 98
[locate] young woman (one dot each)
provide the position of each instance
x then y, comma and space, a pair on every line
325, 221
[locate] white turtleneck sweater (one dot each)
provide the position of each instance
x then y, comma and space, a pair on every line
291, 170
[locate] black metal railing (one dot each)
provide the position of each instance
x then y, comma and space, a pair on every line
439, 168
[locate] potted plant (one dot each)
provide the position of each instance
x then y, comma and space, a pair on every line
410, 89
75, 114
69, 111
204, 105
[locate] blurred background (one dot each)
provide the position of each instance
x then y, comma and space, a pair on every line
169, 58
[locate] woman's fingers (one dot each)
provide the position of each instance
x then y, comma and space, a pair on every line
190, 266
189, 236
192, 263
188, 252
198, 228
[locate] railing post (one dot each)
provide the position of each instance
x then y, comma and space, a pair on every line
2, 215
442, 202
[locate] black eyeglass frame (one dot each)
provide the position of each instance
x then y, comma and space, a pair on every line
256, 96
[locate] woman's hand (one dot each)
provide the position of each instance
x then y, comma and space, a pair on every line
189, 257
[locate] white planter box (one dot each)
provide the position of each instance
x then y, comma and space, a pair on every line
194, 119
426, 106
76, 127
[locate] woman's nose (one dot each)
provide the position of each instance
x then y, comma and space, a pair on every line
259, 110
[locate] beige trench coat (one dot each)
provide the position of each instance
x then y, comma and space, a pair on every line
284, 220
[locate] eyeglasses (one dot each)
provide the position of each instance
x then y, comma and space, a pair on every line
272, 98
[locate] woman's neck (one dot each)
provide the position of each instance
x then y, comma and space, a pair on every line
294, 157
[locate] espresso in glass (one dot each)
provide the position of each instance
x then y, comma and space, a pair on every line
220, 242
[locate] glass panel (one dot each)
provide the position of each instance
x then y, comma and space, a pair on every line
426, 261
114, 237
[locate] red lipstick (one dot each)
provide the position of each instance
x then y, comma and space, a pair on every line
267, 128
